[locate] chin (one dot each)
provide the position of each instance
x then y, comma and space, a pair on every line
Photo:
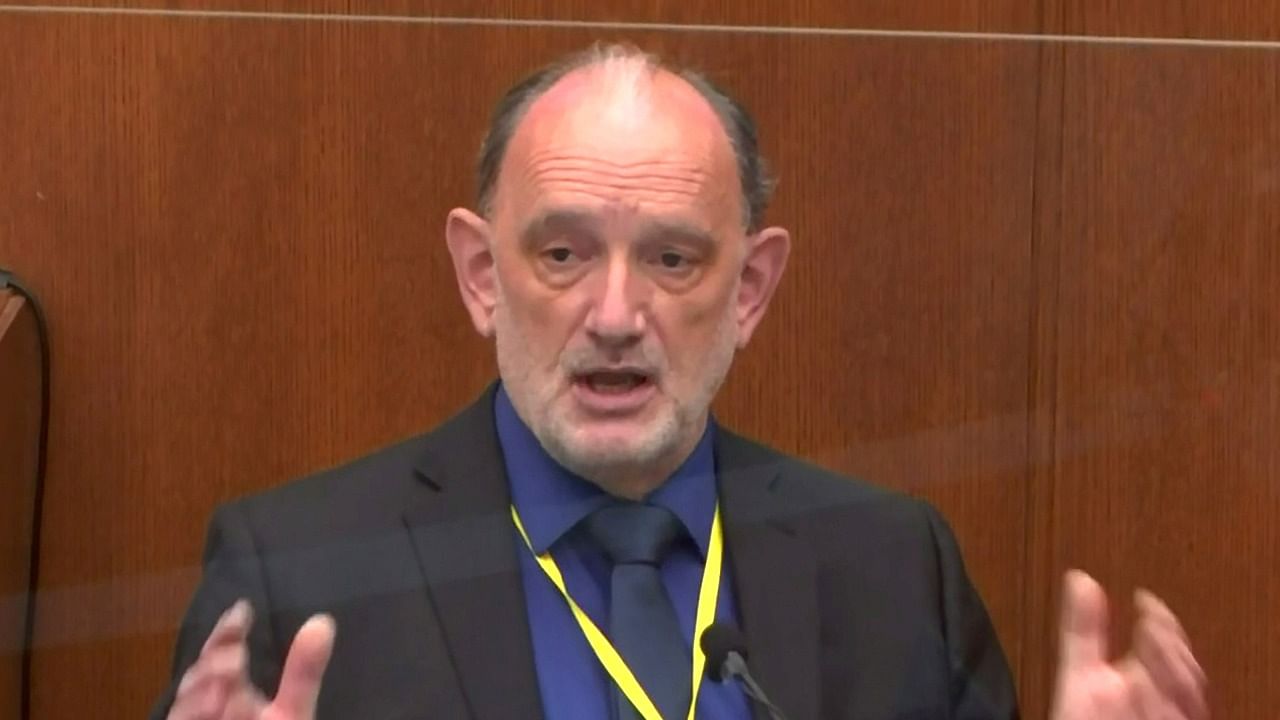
596, 446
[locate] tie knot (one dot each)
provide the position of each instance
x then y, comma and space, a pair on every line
634, 533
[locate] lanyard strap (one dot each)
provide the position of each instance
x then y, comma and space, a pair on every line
608, 656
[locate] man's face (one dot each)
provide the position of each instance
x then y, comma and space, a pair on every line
618, 253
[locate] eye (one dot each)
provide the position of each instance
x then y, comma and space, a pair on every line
672, 260
559, 255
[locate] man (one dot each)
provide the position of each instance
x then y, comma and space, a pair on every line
558, 549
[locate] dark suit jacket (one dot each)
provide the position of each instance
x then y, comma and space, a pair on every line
854, 600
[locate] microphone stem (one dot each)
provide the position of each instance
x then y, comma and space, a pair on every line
738, 668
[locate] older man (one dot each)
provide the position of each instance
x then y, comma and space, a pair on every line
559, 548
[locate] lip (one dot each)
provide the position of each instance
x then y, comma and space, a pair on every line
623, 403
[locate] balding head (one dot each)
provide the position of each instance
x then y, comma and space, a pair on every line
627, 72
619, 138
615, 261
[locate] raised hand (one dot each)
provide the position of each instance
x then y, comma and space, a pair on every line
217, 685
1159, 679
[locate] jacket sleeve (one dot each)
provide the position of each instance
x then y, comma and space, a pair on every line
981, 684
232, 569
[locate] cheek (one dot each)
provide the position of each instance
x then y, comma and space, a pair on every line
706, 306
544, 317
689, 324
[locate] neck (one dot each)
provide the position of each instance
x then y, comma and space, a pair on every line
632, 483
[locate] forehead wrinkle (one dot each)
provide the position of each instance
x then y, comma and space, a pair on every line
656, 202
653, 182
555, 155
592, 183
550, 164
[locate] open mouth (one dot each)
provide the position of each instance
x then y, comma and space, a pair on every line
615, 392
613, 382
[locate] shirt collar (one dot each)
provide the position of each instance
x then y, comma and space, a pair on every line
551, 500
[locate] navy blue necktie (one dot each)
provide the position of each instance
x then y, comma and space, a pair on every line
642, 621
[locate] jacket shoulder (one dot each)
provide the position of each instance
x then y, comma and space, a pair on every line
370, 489
798, 485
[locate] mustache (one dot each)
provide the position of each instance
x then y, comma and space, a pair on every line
647, 360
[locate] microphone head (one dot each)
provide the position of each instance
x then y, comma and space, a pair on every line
717, 642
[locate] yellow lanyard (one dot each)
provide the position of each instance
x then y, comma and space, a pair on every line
605, 652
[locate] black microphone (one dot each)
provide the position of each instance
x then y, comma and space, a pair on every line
726, 651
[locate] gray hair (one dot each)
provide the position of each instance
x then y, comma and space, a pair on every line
757, 185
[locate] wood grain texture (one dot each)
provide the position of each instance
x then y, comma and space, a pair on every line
238, 235
1042, 575
1167, 380
19, 440
237, 226
1235, 20
960, 15
898, 347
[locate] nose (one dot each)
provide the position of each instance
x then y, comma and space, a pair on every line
617, 314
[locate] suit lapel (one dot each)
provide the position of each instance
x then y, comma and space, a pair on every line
463, 539
775, 576
462, 536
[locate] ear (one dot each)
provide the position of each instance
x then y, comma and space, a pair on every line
767, 253
467, 235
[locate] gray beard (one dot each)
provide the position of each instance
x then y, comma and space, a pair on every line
616, 467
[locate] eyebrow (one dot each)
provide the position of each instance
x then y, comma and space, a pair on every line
559, 220
577, 220
663, 229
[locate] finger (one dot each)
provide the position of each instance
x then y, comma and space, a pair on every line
304, 668
1148, 603
202, 696
232, 627
220, 673
1141, 691
216, 700
228, 662
1160, 651
1145, 700
1193, 665
219, 662
1084, 621
1163, 628
246, 705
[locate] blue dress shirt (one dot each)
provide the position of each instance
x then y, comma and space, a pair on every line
551, 501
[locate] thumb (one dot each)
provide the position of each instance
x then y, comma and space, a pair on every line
304, 668
1083, 632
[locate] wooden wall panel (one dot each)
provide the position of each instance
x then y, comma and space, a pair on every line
237, 231
19, 439
1042, 575
1234, 20
961, 15
236, 225
1167, 367
898, 349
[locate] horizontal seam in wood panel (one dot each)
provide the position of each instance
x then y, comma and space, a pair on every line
1216, 43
